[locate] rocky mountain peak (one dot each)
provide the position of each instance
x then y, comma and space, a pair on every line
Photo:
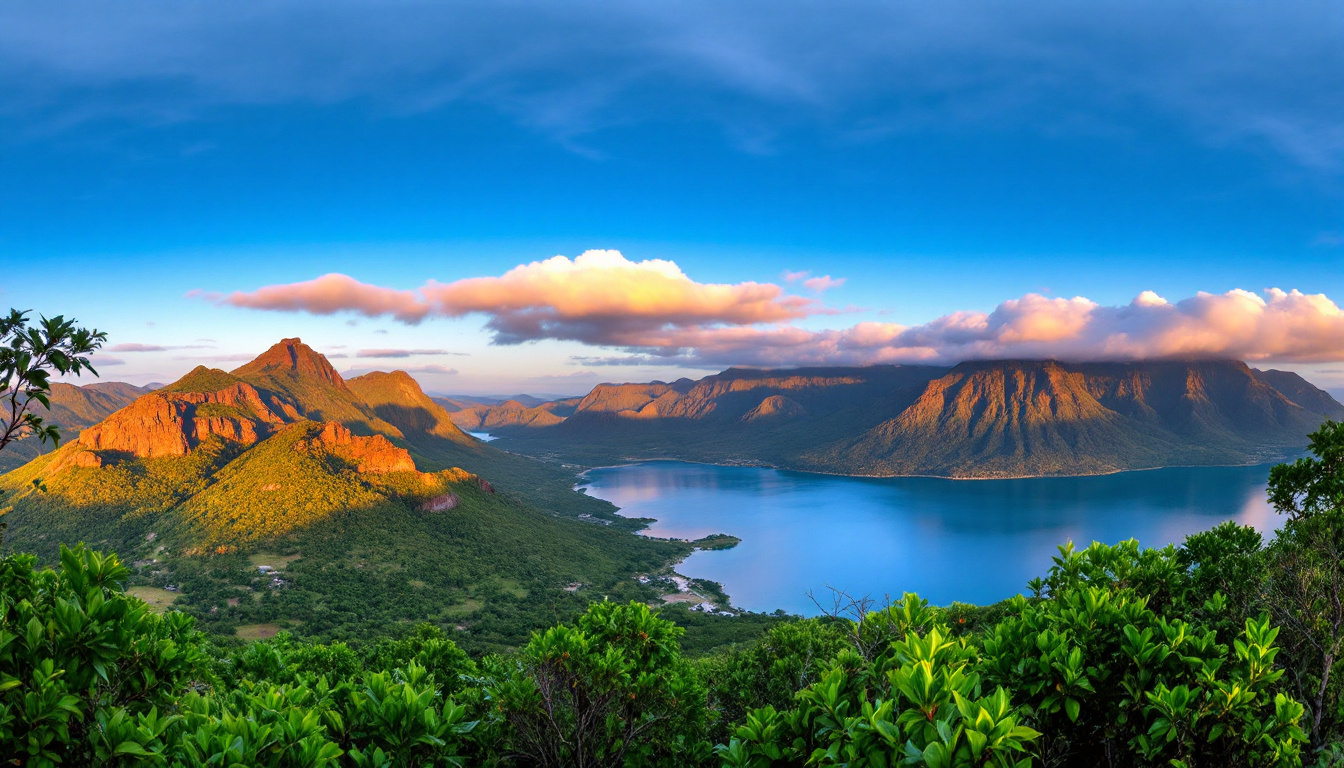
293, 356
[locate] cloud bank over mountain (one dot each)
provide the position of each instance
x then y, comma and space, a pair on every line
652, 312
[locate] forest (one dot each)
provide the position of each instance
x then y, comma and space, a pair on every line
1222, 651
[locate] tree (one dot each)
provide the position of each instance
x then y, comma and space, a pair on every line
29, 353
611, 691
1306, 573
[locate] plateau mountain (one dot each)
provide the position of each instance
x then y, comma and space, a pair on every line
977, 419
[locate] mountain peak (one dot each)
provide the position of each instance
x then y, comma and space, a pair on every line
294, 356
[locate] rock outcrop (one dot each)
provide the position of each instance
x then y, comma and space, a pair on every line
374, 454
167, 423
441, 503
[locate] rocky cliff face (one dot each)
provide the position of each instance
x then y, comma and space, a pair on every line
168, 423
374, 454
73, 409
995, 419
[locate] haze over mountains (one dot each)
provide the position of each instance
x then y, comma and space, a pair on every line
977, 419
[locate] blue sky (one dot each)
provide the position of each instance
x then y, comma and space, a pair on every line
940, 157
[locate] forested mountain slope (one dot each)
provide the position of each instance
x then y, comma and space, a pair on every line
375, 507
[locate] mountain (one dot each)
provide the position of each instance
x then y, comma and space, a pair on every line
977, 419
513, 413
455, 403
397, 399
379, 509
72, 409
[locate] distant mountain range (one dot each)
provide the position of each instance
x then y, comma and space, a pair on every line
382, 508
974, 420
72, 409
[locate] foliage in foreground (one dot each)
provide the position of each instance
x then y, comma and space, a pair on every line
1222, 652
89, 675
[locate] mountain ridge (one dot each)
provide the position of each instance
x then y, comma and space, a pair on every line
1008, 418
379, 504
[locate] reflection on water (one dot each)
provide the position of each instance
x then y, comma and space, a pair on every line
484, 437
975, 541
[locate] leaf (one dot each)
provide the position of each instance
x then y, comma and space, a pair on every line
1072, 707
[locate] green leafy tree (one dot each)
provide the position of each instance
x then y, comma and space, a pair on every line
612, 690
1305, 591
904, 692
87, 673
790, 657
1100, 672
29, 354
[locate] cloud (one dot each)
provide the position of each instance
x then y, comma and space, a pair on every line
402, 352
211, 360
655, 314
103, 361
328, 295
133, 347
600, 298
816, 284
1276, 326
823, 283
1328, 240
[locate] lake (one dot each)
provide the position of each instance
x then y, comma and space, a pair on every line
975, 541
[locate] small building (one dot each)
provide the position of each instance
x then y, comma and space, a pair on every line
265, 569
170, 587
643, 579
704, 608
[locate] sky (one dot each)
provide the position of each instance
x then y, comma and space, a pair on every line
527, 196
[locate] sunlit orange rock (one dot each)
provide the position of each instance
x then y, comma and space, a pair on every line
374, 454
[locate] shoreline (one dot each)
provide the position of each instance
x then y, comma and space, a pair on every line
637, 462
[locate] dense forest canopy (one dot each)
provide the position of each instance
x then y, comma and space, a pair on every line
1219, 652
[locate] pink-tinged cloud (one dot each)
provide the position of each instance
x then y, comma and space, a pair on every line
134, 347
600, 298
1278, 326
651, 310
823, 283
328, 295
402, 352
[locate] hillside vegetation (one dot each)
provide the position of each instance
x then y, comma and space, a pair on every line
371, 506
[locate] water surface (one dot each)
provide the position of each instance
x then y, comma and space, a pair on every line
976, 541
